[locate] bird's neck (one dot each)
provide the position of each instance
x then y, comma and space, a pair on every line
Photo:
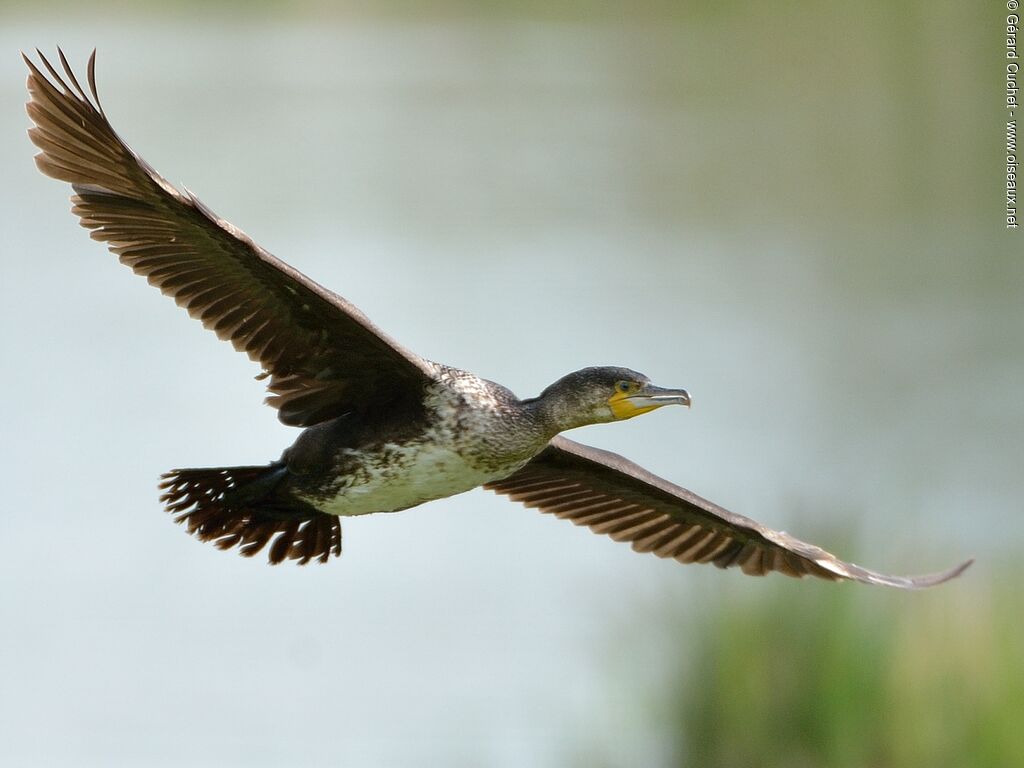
551, 415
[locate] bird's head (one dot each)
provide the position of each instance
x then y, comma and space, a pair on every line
602, 394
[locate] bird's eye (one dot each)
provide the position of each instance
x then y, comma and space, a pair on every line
623, 386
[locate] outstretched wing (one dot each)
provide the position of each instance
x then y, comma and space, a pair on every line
324, 356
614, 496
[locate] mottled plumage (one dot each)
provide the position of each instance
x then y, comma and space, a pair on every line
385, 429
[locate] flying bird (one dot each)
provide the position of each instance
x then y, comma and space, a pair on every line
383, 428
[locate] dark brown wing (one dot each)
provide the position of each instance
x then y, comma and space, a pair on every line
612, 495
324, 356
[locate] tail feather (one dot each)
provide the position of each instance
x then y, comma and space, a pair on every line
236, 507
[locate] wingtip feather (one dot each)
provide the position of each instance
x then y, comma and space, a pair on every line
924, 581
942, 577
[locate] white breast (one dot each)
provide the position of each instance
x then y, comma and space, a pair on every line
462, 449
400, 477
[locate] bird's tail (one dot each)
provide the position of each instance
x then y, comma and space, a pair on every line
238, 506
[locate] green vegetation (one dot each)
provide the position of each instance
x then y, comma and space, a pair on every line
827, 675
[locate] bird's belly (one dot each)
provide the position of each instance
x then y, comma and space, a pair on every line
399, 477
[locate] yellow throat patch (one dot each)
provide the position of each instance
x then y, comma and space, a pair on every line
623, 408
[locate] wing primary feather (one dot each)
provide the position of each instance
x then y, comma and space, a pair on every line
615, 497
289, 324
71, 77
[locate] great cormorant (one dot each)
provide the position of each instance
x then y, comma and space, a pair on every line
384, 429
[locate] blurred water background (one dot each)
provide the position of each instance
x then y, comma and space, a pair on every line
794, 210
